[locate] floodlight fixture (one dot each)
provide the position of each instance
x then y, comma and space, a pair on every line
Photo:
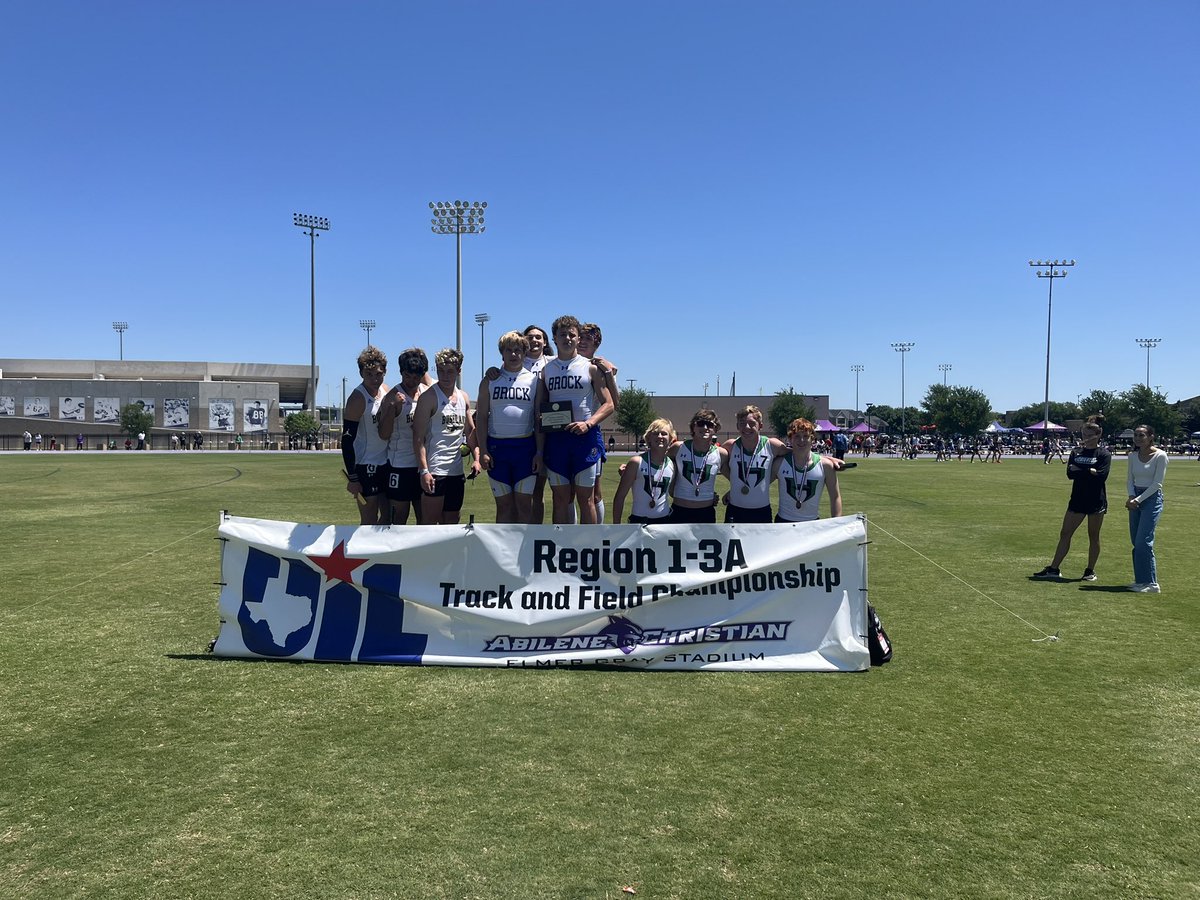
305, 221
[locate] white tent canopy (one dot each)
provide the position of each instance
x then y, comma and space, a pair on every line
1044, 425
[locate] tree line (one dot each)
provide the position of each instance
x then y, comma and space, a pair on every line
965, 410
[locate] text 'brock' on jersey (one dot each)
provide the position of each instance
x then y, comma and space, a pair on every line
564, 383
510, 392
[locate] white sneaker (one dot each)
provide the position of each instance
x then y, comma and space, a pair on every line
1135, 587
1151, 588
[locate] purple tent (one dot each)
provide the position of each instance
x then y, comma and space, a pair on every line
825, 425
864, 428
1044, 425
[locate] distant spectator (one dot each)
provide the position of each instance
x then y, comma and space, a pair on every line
79, 441
27, 439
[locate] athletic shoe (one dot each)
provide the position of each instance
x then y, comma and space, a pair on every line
1048, 572
1088, 575
1151, 588
1135, 587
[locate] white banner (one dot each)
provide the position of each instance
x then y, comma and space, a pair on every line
720, 597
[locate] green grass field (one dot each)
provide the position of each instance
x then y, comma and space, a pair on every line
982, 762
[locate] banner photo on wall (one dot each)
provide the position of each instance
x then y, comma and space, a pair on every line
106, 409
254, 415
37, 407
788, 597
8, 406
175, 412
72, 408
220, 415
146, 403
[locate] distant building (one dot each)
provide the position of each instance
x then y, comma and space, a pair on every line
86, 396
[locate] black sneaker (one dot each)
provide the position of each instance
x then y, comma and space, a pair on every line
1048, 572
1088, 575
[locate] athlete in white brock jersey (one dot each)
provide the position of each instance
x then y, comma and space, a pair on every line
572, 454
505, 411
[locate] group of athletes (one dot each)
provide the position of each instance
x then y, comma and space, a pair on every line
537, 419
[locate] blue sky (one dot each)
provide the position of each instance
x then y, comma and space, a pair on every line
777, 190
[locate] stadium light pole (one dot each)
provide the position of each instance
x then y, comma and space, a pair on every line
857, 369
1056, 269
458, 217
481, 319
1149, 344
312, 224
902, 347
121, 327
944, 368
367, 325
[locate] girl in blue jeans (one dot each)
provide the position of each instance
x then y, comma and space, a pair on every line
1147, 469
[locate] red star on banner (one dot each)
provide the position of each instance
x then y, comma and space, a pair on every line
336, 565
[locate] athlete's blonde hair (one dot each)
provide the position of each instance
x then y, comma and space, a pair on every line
513, 339
659, 425
449, 357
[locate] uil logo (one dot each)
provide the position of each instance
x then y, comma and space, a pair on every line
288, 606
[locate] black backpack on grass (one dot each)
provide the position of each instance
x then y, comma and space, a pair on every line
877, 639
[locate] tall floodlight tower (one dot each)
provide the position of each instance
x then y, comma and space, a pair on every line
1056, 269
1149, 344
312, 224
120, 328
857, 369
458, 217
902, 347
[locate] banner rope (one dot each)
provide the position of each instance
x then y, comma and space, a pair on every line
1044, 635
121, 565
